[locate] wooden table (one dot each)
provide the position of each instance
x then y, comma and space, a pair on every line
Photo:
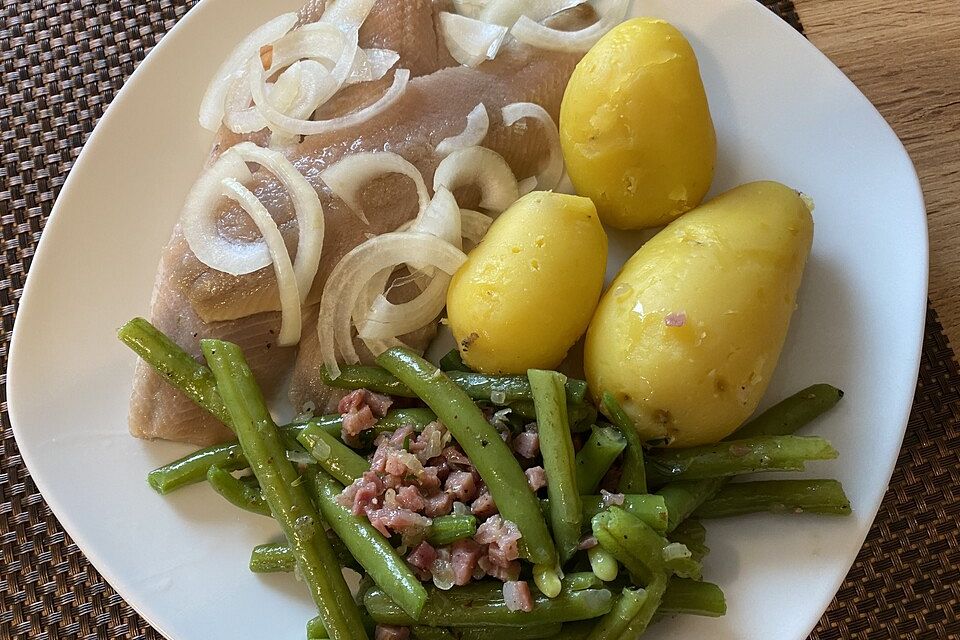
905, 56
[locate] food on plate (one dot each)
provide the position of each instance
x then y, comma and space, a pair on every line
526, 294
688, 334
378, 162
636, 128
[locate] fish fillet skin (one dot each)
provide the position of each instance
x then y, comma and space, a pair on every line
159, 411
433, 107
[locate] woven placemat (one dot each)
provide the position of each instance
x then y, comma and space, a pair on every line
62, 63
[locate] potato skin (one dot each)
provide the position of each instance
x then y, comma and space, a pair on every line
635, 126
528, 291
728, 272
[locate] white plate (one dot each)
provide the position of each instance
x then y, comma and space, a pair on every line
783, 112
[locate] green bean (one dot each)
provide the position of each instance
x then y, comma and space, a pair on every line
237, 493
371, 549
175, 365
358, 376
416, 418
777, 496
603, 563
576, 630
559, 460
634, 477
679, 560
582, 580
288, 500
761, 453
692, 597
650, 508
581, 416
682, 498
193, 467
597, 456
518, 633
634, 544
453, 361
627, 607
481, 442
316, 630
431, 633
449, 529
785, 417
500, 390
692, 535
277, 557
482, 604
654, 596
336, 458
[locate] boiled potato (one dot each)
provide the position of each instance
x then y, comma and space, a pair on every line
689, 333
636, 128
527, 292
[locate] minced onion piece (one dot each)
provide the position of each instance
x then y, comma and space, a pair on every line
212, 105
478, 123
286, 124
507, 12
348, 15
349, 279
286, 279
474, 225
471, 41
549, 177
350, 174
484, 168
543, 37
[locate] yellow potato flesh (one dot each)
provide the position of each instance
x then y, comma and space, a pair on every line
635, 126
689, 333
527, 292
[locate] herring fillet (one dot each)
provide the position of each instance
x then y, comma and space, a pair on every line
157, 410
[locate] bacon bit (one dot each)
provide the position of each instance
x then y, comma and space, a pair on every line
484, 506
422, 558
527, 444
503, 538
388, 632
611, 499
589, 542
438, 505
675, 319
517, 596
465, 554
536, 478
360, 410
394, 519
462, 486
408, 497
457, 458
508, 573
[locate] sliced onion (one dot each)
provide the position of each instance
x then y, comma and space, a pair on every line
478, 123
286, 279
315, 41
528, 185
482, 167
199, 223
474, 225
388, 320
240, 117
348, 15
507, 12
541, 36
471, 41
372, 64
212, 105
350, 277
297, 126
549, 177
470, 8
440, 218
349, 175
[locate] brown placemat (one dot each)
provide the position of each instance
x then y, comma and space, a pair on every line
62, 63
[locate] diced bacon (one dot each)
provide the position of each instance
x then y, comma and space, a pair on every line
612, 499
502, 538
504, 574
484, 506
589, 542
356, 422
465, 554
457, 458
402, 464
428, 480
430, 443
388, 520
438, 505
423, 557
409, 497
363, 493
389, 632
517, 596
399, 437
527, 445
536, 478
378, 403
462, 486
